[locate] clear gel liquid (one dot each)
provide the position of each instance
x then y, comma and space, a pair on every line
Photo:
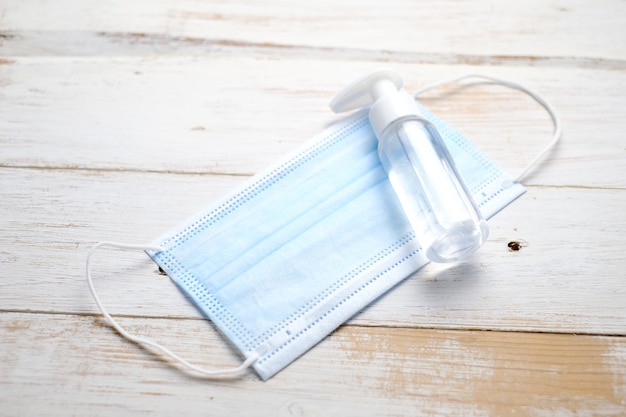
438, 206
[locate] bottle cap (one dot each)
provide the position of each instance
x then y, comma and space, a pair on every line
382, 90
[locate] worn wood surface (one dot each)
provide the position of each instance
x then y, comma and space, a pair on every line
120, 120
83, 368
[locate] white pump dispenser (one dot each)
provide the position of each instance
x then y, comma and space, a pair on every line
438, 205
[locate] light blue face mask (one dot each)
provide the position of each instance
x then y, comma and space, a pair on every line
302, 247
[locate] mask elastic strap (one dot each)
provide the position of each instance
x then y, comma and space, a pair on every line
536, 96
221, 373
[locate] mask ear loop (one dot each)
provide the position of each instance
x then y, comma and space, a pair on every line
221, 373
536, 96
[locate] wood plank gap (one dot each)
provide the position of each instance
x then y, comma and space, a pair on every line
482, 329
95, 314
139, 44
348, 324
123, 170
98, 170
575, 187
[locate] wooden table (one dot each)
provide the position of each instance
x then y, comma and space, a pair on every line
118, 120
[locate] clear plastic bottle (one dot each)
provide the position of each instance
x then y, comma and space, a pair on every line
438, 205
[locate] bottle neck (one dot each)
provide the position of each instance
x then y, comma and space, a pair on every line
391, 107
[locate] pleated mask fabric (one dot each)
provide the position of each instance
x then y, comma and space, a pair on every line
302, 247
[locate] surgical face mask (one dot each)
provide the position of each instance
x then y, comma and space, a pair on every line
302, 247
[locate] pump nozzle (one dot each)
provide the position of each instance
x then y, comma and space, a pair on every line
382, 90
367, 90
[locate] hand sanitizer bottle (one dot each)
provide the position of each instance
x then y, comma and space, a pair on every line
446, 220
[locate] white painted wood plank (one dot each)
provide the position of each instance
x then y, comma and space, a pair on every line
569, 277
50, 368
226, 114
531, 28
